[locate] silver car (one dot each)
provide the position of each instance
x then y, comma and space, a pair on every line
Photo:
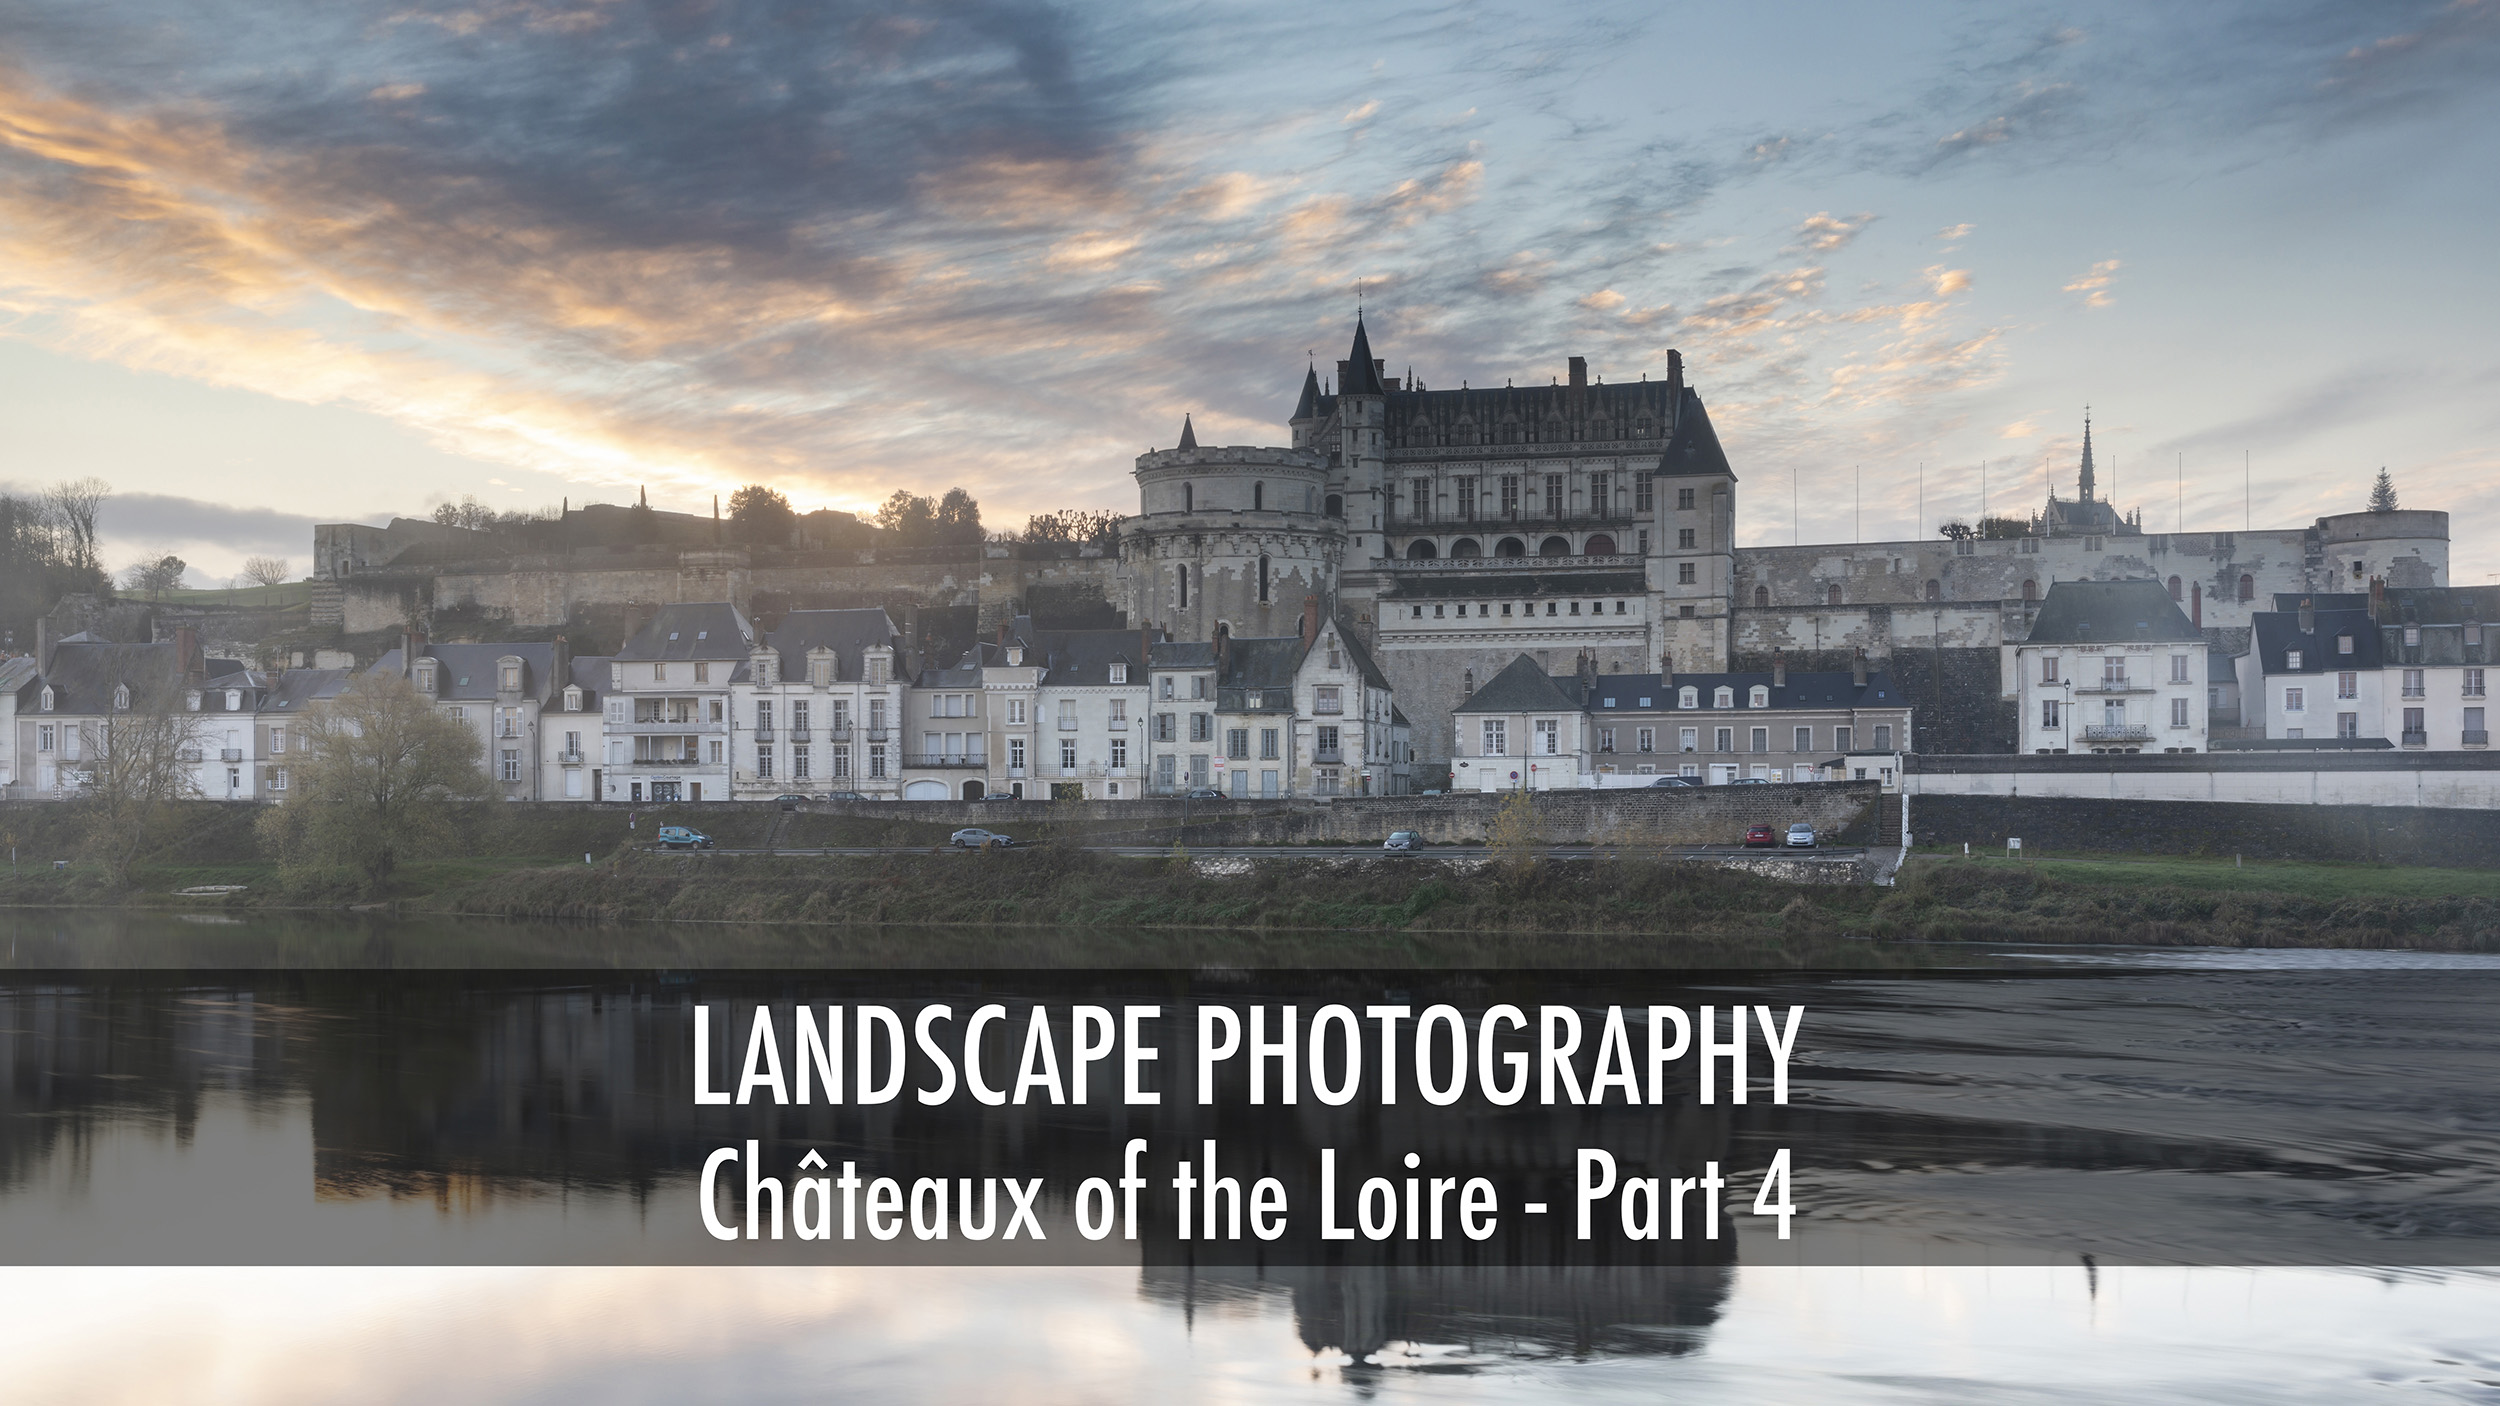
1801, 836
1402, 840
979, 839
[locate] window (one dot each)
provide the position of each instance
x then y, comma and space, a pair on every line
2049, 713
1762, 739
2177, 591
764, 762
842, 762
1197, 685
1842, 737
1601, 496
2248, 586
764, 714
1831, 595
1166, 688
1642, 499
2292, 700
1688, 739
1327, 698
1067, 754
2048, 668
1201, 727
1166, 769
1688, 697
1723, 698
1684, 573
2413, 636
1181, 574
2343, 644
2413, 683
1645, 739
1802, 740
2347, 684
1237, 743
1015, 754
1553, 495
1119, 714
1549, 737
1119, 753
1605, 739
1684, 500
2474, 731
1467, 500
2348, 724
1684, 538
702, 673
2114, 671
1758, 697
1165, 730
2179, 668
1510, 495
799, 764
1883, 737
1723, 739
2178, 712
1496, 738
1119, 671
277, 778
2413, 727
277, 741
1267, 744
2291, 659
2473, 683
1067, 715
43, 738
511, 768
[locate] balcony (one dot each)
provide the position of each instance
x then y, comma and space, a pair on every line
944, 762
569, 759
656, 725
1118, 724
2113, 686
2117, 732
1067, 724
188, 755
230, 754
1619, 562
2417, 738
1328, 756
764, 733
667, 761
2475, 737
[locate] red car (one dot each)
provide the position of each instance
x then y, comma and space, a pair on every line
1760, 835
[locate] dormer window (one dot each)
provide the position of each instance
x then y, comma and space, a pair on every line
1119, 673
121, 698
48, 698
1688, 698
1760, 697
2343, 644
190, 700
234, 700
511, 677
1723, 698
573, 698
425, 676
2413, 636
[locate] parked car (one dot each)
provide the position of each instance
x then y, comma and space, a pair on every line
1760, 836
1401, 840
1748, 781
999, 796
1205, 793
791, 802
844, 796
1430, 791
679, 837
972, 838
1675, 781
1801, 836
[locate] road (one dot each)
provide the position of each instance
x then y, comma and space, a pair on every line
1323, 851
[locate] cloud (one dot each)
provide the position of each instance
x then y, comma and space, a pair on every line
1951, 233
2094, 285
1822, 233
2020, 429
1945, 282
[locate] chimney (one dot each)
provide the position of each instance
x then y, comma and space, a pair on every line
1223, 649
1310, 620
1666, 669
407, 653
911, 627
1675, 371
2308, 617
187, 655
1145, 652
562, 667
1579, 371
2196, 604
1779, 669
2378, 599
44, 643
1857, 668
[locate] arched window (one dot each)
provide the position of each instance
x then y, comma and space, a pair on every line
1688, 698
1554, 547
1189, 497
2248, 586
1600, 545
1336, 505
121, 698
2031, 590
1421, 550
1469, 686
48, 698
1510, 547
1466, 547
1758, 697
1935, 590
1262, 580
1258, 497
1831, 595
2176, 589
1723, 698
1762, 595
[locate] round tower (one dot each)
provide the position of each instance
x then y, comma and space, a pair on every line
1234, 536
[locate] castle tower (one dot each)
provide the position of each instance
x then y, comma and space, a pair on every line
1362, 452
1692, 567
1230, 536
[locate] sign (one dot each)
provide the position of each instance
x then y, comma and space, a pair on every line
2013, 844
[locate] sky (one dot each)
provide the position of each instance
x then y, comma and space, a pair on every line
267, 265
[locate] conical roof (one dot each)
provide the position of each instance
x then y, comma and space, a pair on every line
1361, 376
1308, 407
1189, 434
1695, 448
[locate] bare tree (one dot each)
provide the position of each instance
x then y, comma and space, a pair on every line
379, 781
75, 503
138, 761
154, 578
266, 572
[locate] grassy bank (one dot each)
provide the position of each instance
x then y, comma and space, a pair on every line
2180, 903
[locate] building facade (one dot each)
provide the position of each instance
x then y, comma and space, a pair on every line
2405, 668
2111, 667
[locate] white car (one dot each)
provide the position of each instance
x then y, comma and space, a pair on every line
1801, 836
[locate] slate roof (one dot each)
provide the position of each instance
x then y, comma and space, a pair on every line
1695, 447
1521, 687
1076, 658
2444, 605
590, 671
850, 634
466, 672
1361, 376
85, 672
1307, 408
1183, 654
1262, 662
298, 689
1804, 689
2107, 612
1363, 663
712, 630
2277, 633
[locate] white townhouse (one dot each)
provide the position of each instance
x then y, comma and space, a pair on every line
499, 692
976, 724
1089, 712
1306, 714
2110, 667
2407, 668
1524, 730
81, 687
817, 708
277, 728
572, 732
1181, 747
666, 720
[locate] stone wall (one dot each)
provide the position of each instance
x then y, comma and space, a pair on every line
2047, 826
2379, 777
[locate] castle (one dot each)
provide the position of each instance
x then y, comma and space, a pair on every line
1586, 525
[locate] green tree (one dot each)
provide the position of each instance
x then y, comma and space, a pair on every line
137, 762
2383, 494
379, 781
958, 518
909, 518
760, 516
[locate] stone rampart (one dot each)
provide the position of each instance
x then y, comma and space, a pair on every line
2050, 826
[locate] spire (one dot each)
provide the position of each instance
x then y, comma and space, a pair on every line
1189, 434
2084, 482
1362, 374
1308, 407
